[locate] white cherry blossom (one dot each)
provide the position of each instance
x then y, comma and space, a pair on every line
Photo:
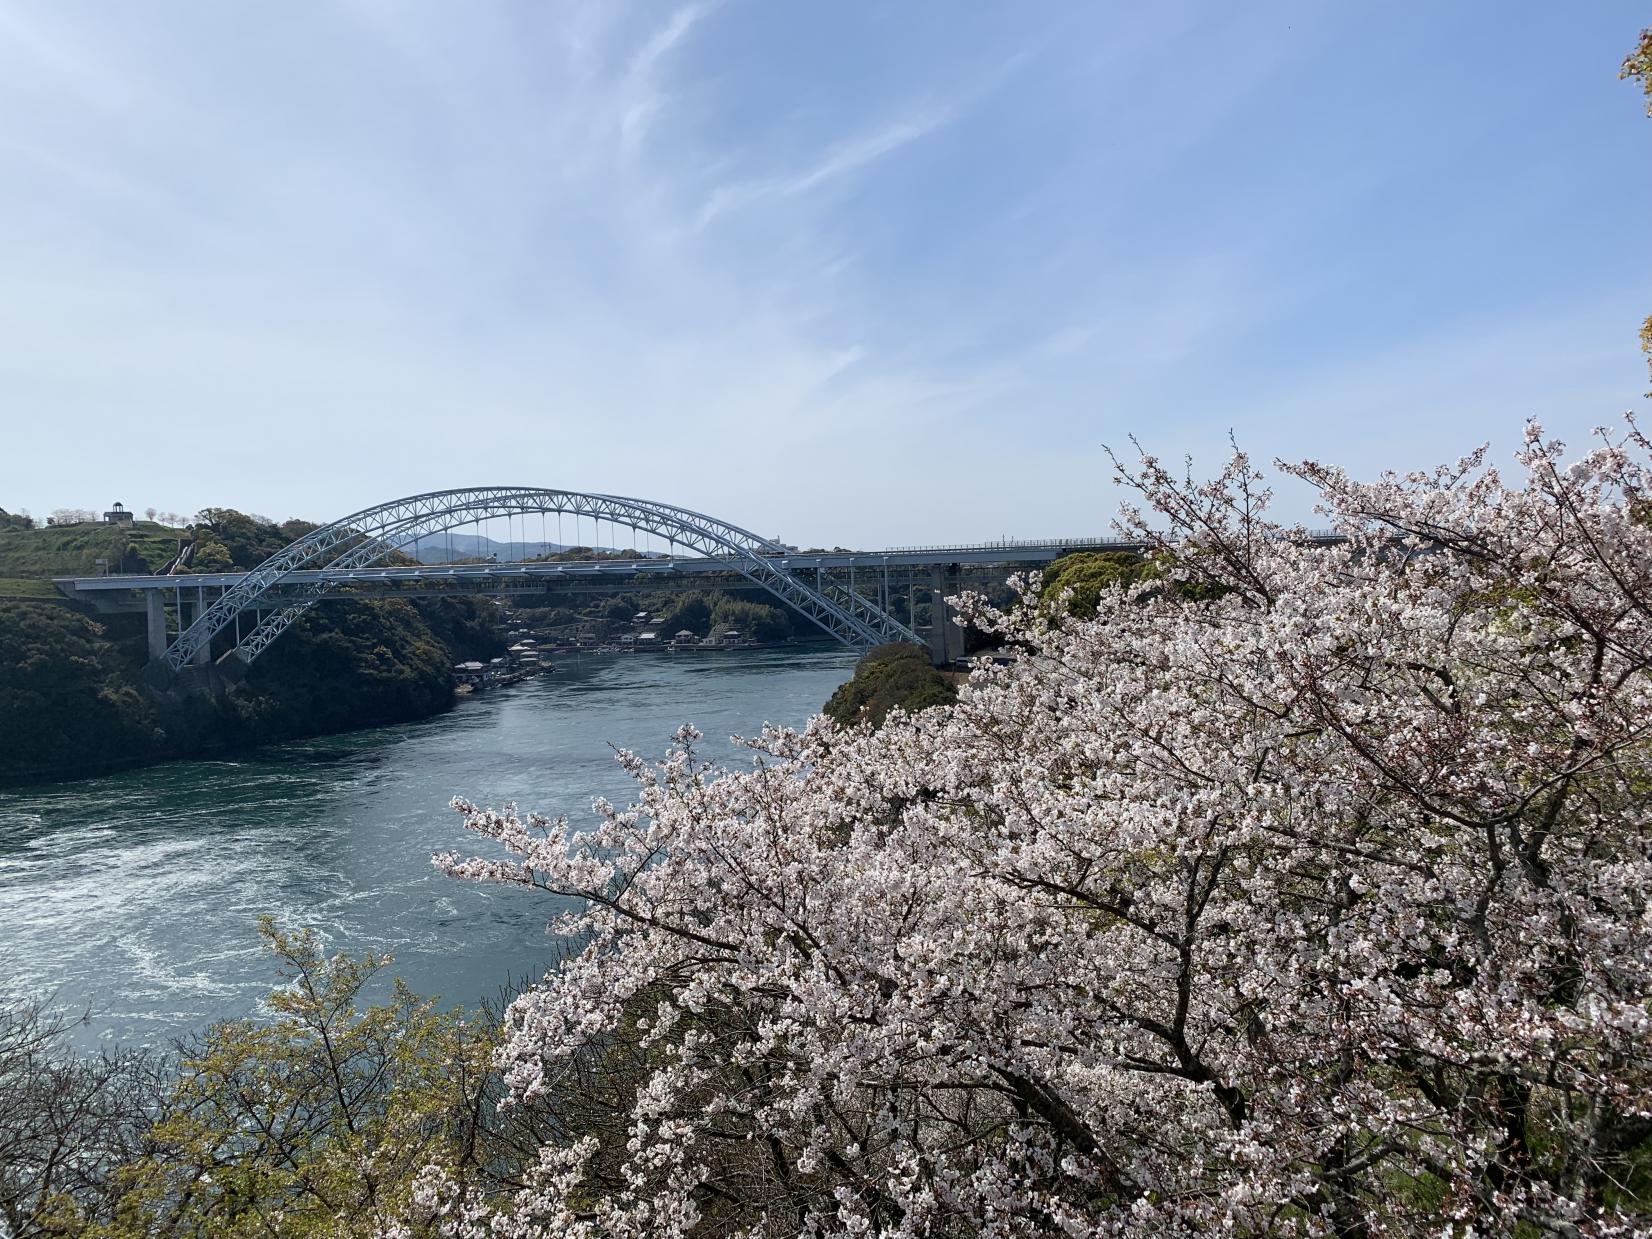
1303, 890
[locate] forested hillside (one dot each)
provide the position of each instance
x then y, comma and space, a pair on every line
71, 700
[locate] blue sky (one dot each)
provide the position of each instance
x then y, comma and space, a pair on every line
869, 274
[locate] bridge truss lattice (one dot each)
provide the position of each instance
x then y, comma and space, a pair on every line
366, 537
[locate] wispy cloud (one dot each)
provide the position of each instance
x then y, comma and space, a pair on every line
836, 162
712, 252
643, 98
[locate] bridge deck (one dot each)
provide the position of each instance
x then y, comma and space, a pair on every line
1028, 553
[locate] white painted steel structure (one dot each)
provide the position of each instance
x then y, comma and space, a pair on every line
324, 558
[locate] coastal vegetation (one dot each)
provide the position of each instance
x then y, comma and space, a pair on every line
898, 675
703, 613
63, 695
71, 694
72, 700
1075, 583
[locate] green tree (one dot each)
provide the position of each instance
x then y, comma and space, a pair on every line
752, 619
1088, 574
691, 613
466, 627
210, 555
896, 675
348, 664
247, 540
132, 559
315, 1122
63, 702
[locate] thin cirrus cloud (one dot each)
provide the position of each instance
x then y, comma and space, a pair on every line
646, 101
840, 161
861, 275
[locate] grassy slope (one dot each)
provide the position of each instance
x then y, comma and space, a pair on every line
34, 591
74, 549
30, 557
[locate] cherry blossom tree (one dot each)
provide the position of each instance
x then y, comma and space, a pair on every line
1303, 890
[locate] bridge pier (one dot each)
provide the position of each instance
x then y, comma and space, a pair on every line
155, 606
946, 638
202, 656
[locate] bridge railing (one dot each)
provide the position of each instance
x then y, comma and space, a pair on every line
1116, 544
1012, 544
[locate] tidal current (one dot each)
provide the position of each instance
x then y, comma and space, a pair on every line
134, 897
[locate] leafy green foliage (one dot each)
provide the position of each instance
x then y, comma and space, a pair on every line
898, 674
465, 627
712, 611
246, 540
550, 616
226, 539
753, 620
15, 520
349, 664
315, 1122
210, 555
61, 694
322, 1116
1088, 574
702, 612
70, 701
690, 613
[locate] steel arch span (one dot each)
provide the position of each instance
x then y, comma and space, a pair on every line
365, 537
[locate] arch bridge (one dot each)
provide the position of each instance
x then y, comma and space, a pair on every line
288, 583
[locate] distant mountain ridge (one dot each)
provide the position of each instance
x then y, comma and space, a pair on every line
442, 548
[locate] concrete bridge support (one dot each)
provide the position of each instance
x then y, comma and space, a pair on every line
155, 606
946, 638
188, 613
203, 656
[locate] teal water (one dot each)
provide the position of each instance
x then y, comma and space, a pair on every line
134, 896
